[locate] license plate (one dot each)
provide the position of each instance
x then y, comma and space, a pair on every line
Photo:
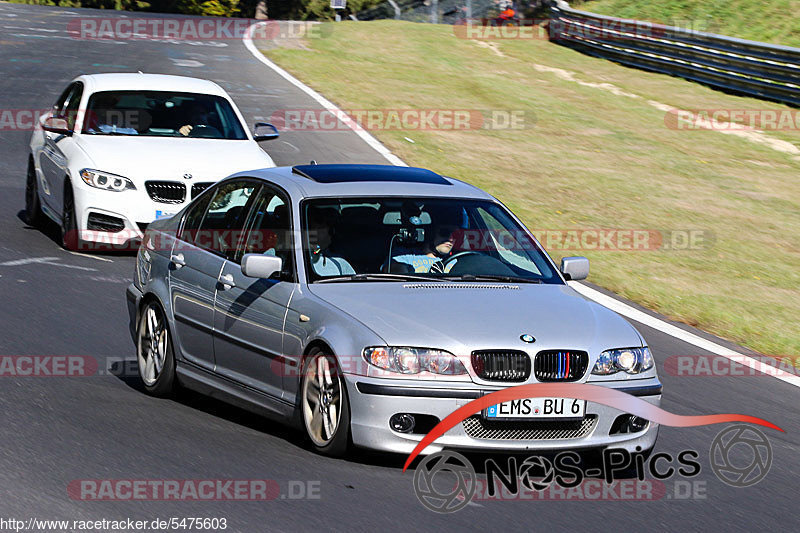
163, 214
528, 408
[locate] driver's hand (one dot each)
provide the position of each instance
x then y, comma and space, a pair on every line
185, 130
437, 268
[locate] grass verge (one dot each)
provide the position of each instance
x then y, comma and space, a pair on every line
769, 21
599, 155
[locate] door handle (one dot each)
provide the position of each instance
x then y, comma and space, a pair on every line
177, 260
227, 281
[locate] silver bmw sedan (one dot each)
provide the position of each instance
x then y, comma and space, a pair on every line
366, 303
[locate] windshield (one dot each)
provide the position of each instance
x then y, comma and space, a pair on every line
161, 114
364, 239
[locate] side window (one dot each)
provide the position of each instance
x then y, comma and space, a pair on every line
510, 247
269, 229
222, 228
71, 109
194, 217
58, 107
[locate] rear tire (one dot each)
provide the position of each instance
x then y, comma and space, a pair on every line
154, 353
70, 239
324, 405
33, 207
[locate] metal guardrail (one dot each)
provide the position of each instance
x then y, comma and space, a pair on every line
749, 67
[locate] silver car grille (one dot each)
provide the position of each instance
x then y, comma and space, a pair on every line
501, 365
560, 365
478, 428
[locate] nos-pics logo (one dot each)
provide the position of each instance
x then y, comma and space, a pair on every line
445, 482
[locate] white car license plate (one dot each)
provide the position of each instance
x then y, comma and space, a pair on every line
528, 408
163, 214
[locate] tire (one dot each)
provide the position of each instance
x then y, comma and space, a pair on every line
328, 427
154, 353
69, 224
33, 207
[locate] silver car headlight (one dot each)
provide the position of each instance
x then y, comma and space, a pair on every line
106, 180
630, 360
408, 360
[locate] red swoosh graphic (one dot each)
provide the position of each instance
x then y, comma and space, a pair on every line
582, 391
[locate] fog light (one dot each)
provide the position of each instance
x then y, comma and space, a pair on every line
637, 424
402, 423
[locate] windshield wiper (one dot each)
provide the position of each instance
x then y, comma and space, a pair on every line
378, 277
493, 277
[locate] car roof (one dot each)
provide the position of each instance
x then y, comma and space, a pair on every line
306, 181
154, 82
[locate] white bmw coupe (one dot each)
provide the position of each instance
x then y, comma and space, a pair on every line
117, 151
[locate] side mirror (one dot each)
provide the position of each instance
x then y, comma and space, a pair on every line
575, 268
265, 132
57, 125
261, 266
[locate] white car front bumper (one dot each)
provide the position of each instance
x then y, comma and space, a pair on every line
119, 219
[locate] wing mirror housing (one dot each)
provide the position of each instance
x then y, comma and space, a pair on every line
575, 268
265, 131
260, 265
57, 125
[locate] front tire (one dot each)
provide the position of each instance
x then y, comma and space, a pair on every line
154, 352
69, 223
324, 404
33, 207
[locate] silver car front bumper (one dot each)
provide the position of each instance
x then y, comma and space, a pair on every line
374, 401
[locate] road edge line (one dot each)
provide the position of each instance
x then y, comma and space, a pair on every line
683, 335
324, 102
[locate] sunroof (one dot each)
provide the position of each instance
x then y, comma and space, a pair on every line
358, 173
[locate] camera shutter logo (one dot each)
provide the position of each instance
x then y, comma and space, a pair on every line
439, 498
536, 473
733, 464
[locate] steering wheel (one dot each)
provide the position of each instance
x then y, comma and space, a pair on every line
204, 130
456, 256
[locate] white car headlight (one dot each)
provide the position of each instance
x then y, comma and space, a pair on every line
106, 180
630, 360
408, 360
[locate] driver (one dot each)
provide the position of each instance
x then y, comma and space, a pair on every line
321, 226
437, 249
197, 115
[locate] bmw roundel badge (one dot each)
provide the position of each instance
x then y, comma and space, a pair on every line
527, 338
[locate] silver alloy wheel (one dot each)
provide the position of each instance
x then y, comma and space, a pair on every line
152, 348
322, 399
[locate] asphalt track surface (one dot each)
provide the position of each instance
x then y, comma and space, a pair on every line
55, 430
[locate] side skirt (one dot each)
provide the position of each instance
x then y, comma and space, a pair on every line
200, 380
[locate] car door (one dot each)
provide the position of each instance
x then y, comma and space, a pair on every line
57, 147
250, 313
208, 229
